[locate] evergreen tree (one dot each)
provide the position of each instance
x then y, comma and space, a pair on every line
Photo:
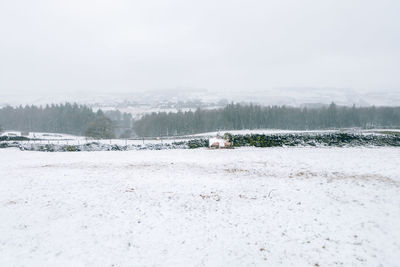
63, 118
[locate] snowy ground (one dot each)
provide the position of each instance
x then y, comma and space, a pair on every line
241, 207
67, 139
276, 131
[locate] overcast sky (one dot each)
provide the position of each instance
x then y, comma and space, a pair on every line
106, 45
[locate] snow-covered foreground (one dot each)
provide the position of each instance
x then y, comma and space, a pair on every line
242, 207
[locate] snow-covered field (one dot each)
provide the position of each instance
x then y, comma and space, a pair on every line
266, 131
67, 139
241, 207
276, 131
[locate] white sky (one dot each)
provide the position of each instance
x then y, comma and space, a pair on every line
106, 45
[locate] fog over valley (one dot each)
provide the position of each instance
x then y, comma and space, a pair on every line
268, 52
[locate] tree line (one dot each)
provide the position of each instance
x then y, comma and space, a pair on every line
82, 120
238, 117
61, 118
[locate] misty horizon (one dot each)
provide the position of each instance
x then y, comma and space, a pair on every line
296, 97
91, 47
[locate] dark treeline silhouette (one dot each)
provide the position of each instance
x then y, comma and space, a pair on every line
63, 118
238, 117
81, 120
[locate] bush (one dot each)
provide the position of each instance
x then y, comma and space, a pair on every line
196, 143
101, 128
